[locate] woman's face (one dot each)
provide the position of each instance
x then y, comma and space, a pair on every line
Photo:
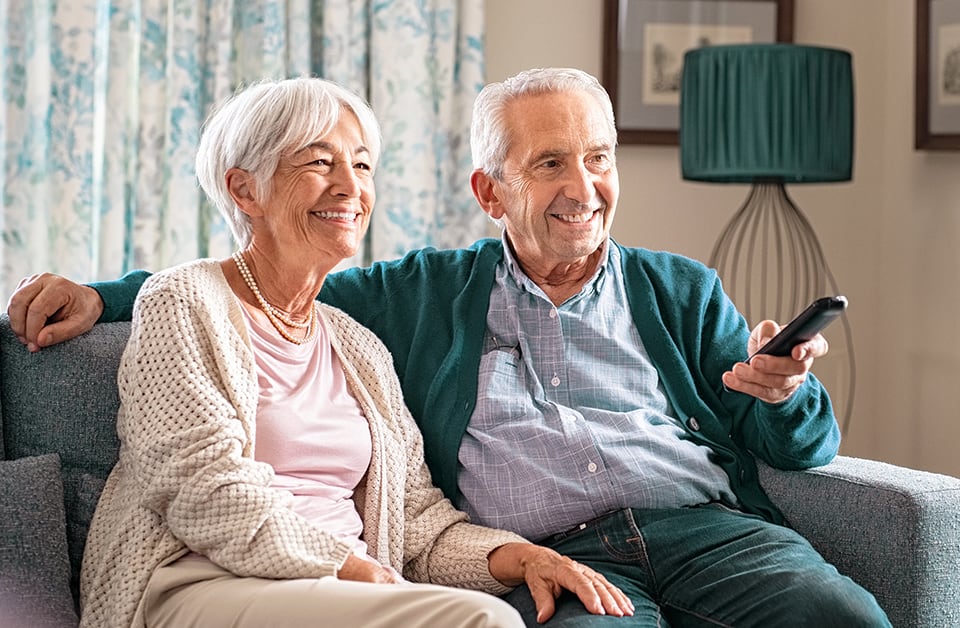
322, 196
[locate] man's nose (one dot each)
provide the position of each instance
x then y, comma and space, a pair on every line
581, 185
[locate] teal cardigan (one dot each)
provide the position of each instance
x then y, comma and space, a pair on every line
430, 309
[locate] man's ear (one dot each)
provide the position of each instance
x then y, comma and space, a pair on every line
485, 190
242, 189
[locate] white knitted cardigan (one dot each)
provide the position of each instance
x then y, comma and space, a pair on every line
186, 478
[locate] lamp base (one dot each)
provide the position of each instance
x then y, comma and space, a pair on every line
772, 265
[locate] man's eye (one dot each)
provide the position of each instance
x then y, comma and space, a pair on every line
363, 166
602, 162
551, 163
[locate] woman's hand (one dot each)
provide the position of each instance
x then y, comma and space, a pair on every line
363, 570
547, 573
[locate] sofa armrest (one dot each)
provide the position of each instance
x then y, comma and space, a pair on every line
894, 530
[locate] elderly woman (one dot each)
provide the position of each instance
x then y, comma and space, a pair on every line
270, 473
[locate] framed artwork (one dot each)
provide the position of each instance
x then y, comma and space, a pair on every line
643, 46
937, 109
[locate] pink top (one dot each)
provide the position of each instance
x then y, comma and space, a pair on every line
310, 428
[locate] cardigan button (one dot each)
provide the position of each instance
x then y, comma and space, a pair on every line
693, 424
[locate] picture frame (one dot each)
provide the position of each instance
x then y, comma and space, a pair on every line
937, 98
643, 46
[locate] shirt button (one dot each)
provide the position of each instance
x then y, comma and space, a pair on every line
553, 314
592, 467
694, 424
555, 381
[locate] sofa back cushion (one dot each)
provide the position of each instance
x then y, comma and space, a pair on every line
34, 568
63, 399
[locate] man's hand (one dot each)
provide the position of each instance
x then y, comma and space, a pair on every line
47, 309
547, 574
364, 570
770, 378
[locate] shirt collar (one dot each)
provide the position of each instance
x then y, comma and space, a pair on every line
521, 278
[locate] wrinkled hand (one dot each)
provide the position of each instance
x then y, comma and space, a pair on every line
363, 570
769, 378
548, 573
47, 309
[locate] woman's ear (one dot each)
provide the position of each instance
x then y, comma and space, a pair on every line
242, 189
486, 192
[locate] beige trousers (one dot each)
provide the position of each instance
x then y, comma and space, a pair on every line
194, 592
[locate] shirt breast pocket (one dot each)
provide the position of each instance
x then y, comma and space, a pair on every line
502, 387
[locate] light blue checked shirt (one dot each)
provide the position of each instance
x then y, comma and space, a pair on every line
571, 419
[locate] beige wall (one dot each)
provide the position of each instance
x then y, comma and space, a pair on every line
891, 235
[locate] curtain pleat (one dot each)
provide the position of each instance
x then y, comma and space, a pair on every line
103, 103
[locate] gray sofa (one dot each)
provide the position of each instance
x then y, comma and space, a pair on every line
894, 530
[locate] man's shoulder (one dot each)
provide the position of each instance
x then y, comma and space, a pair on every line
428, 256
424, 262
661, 261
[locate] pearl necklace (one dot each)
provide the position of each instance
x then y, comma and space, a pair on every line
277, 317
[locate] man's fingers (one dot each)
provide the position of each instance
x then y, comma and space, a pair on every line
47, 309
57, 332
43, 308
19, 305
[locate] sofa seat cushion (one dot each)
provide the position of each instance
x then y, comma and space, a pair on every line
34, 564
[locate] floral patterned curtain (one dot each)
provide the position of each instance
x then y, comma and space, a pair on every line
103, 101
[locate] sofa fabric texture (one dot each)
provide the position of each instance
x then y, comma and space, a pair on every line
896, 531
64, 400
34, 567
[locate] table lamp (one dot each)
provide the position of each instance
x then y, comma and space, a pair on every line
768, 115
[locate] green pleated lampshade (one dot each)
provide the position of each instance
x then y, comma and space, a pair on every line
774, 112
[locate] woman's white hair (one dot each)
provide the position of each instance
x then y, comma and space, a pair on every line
265, 121
489, 141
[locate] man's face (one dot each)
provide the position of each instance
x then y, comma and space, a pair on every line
560, 184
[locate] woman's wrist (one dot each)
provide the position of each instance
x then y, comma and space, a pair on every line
507, 563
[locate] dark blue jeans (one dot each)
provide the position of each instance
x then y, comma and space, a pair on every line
707, 566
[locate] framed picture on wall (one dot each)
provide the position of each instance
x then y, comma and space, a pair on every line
643, 46
937, 109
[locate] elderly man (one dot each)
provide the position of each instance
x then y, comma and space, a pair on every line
591, 397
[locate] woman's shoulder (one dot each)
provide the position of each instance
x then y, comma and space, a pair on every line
344, 325
193, 274
357, 342
195, 282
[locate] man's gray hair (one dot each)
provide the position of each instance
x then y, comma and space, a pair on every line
489, 142
258, 125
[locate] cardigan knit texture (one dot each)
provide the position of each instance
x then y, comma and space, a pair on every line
186, 479
430, 309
